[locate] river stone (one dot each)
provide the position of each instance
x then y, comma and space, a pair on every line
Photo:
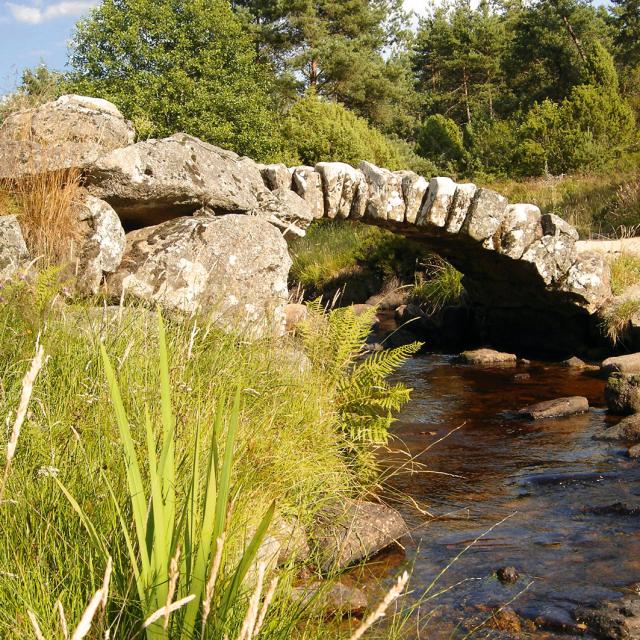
71, 132
103, 245
276, 176
634, 452
435, 210
462, 200
157, 180
307, 183
629, 363
558, 408
348, 531
485, 216
615, 620
414, 188
488, 357
622, 393
332, 599
627, 430
385, 200
521, 228
234, 267
13, 250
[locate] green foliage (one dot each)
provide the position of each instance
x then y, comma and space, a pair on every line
288, 451
442, 286
187, 67
196, 526
364, 401
587, 130
319, 130
440, 140
616, 318
350, 52
625, 272
37, 86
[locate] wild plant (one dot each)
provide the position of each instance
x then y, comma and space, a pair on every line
176, 551
364, 400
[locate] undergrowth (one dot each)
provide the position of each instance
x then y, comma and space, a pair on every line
293, 433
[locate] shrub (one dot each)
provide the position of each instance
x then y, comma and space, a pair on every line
440, 140
320, 130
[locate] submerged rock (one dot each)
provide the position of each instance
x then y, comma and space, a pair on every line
488, 357
234, 267
627, 430
615, 620
348, 531
622, 393
558, 408
507, 575
332, 599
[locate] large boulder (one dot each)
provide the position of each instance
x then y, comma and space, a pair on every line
307, 183
385, 200
488, 357
623, 393
70, 133
627, 430
13, 250
103, 244
440, 196
157, 180
348, 531
629, 363
344, 189
234, 267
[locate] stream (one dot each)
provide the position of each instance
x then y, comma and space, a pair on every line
529, 495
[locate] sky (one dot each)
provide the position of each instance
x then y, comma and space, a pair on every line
32, 31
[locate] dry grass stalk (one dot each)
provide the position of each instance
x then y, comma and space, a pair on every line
265, 606
63, 620
211, 582
84, 626
35, 625
45, 203
27, 388
392, 595
249, 623
156, 615
173, 582
105, 583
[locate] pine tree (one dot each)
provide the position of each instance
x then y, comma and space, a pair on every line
351, 51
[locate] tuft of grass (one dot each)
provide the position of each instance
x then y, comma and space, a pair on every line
45, 203
617, 318
442, 286
625, 272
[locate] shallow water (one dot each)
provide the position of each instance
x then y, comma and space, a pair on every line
542, 477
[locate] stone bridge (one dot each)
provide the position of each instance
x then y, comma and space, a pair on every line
527, 283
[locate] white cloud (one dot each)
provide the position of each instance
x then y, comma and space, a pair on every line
36, 15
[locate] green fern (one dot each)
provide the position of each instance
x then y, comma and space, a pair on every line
365, 402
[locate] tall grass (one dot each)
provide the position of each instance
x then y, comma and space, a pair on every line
441, 285
208, 411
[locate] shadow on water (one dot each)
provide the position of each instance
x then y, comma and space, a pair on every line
544, 477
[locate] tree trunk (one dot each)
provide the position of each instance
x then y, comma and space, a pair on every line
465, 86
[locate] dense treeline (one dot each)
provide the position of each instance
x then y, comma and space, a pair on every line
505, 88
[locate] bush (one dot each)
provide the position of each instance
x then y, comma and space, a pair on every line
587, 130
319, 130
440, 140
